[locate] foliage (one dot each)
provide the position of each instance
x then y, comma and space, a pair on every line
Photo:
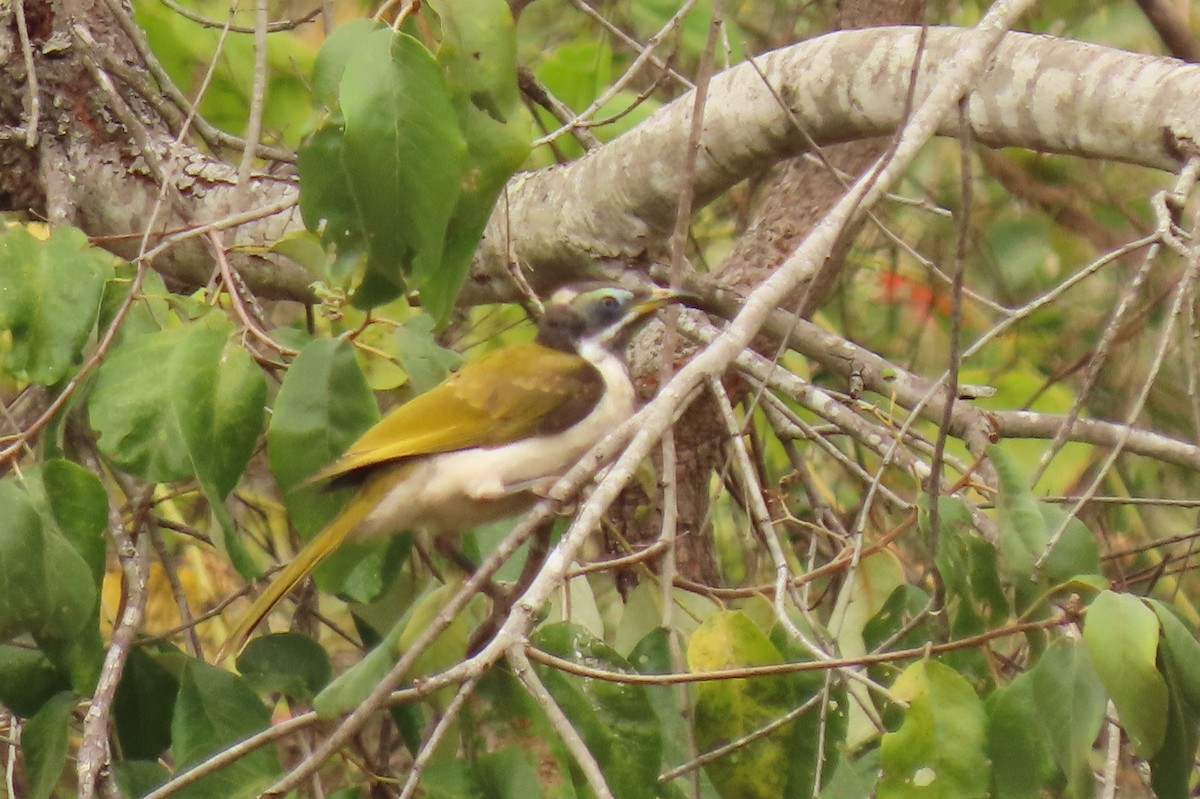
994, 640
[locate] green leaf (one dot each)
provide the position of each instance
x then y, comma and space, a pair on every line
1184, 650
49, 298
1172, 766
46, 588
507, 773
479, 55
80, 656
896, 615
615, 720
140, 777
1121, 634
1015, 744
351, 687
214, 709
323, 405
652, 655
79, 506
424, 361
854, 779
939, 750
44, 744
451, 646
339, 46
956, 527
130, 408
730, 709
1070, 702
290, 663
146, 690
1022, 530
217, 396
326, 204
404, 158
818, 736
449, 779
28, 679
1076, 552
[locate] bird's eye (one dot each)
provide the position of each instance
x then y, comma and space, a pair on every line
609, 302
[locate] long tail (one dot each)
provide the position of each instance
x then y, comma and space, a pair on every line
305, 561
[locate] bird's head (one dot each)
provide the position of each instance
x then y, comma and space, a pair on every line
602, 314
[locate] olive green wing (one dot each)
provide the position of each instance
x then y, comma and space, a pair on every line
512, 393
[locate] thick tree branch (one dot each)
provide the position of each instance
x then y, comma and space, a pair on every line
1038, 92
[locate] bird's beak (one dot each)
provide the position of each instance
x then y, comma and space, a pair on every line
660, 298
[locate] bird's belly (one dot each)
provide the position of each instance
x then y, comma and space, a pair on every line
455, 491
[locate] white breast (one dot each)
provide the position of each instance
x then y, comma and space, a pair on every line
458, 490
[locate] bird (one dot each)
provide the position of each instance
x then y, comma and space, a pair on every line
477, 447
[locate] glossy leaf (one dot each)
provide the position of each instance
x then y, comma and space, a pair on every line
939, 750
79, 506
426, 362
507, 773
28, 679
326, 204
1071, 701
1181, 645
861, 597
817, 741
730, 709
854, 779
214, 709
479, 55
1015, 743
1121, 634
140, 777
46, 587
896, 616
955, 528
49, 298
323, 405
44, 744
130, 408
1023, 535
652, 655
341, 43
217, 395
1172, 766
141, 709
290, 663
615, 720
1076, 552
404, 158
352, 686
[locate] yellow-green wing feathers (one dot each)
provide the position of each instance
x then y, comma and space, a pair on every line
499, 398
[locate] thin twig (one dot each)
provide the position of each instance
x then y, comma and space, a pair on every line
35, 101
762, 732
258, 94
93, 755
187, 623
625, 77
272, 27
561, 724
775, 669
430, 744
632, 43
